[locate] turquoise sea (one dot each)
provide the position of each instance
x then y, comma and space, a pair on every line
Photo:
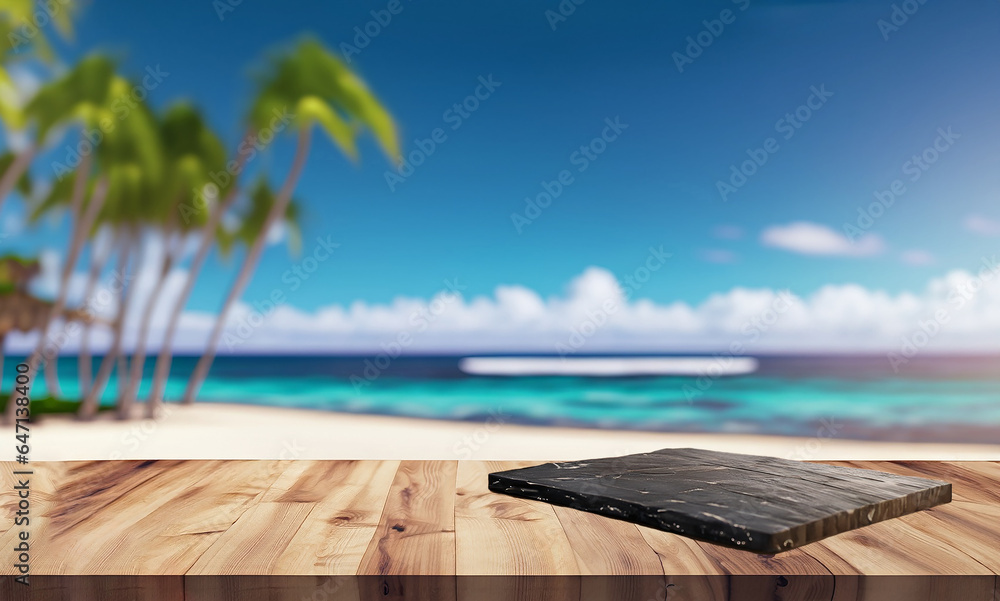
929, 399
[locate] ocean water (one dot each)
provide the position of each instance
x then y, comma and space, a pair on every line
929, 399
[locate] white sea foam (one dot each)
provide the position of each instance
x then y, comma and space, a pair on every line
608, 366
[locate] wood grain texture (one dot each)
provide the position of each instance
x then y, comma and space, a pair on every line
415, 535
359, 530
335, 535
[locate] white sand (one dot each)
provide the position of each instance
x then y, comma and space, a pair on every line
224, 431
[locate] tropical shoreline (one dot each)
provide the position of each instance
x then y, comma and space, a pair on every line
232, 431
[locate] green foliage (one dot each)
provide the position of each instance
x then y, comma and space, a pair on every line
19, 24
57, 196
86, 93
15, 272
261, 200
317, 88
129, 155
192, 152
49, 406
21, 37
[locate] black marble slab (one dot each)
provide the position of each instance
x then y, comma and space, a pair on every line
760, 504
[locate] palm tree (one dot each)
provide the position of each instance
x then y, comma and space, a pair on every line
82, 96
59, 198
318, 89
21, 181
208, 196
254, 224
193, 152
134, 168
126, 241
99, 256
15, 16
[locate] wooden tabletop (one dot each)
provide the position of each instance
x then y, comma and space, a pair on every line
431, 530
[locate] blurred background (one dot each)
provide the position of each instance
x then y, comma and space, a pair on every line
744, 217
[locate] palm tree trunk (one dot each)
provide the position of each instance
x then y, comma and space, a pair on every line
3, 340
91, 402
122, 371
131, 390
249, 264
162, 370
14, 172
52, 376
79, 235
83, 359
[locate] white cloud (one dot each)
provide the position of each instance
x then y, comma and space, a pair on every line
47, 282
836, 318
277, 233
982, 225
728, 232
814, 239
917, 257
719, 255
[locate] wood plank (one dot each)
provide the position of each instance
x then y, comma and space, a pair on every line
972, 528
97, 588
271, 588
415, 535
790, 575
171, 539
914, 588
253, 544
42, 489
606, 547
506, 535
276, 527
97, 501
760, 504
971, 481
500, 537
348, 498
895, 548
689, 573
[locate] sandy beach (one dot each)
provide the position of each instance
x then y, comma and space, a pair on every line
230, 431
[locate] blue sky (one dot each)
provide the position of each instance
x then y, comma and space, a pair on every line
655, 185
